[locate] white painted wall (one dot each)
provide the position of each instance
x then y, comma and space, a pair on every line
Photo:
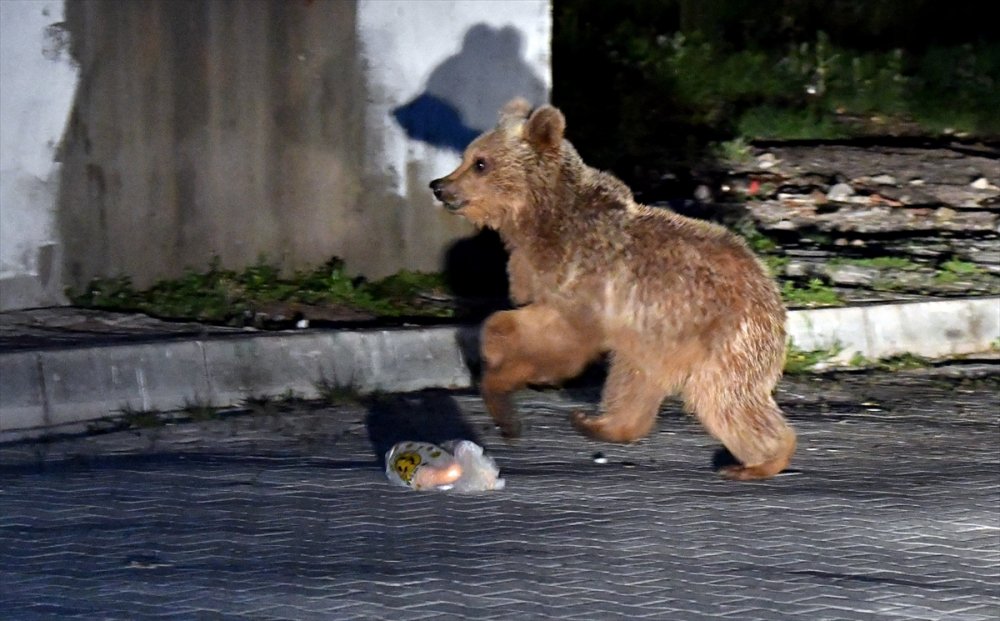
37, 86
471, 53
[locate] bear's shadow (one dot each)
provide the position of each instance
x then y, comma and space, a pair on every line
424, 416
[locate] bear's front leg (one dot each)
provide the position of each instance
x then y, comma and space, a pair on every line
629, 404
532, 345
521, 277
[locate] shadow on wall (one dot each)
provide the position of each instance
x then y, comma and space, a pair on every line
465, 92
462, 99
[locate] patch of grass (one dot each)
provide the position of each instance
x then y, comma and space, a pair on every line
820, 239
758, 241
200, 412
735, 151
946, 278
335, 394
895, 263
800, 361
902, 362
775, 264
135, 418
775, 123
962, 268
815, 294
954, 270
229, 296
859, 360
899, 362
404, 289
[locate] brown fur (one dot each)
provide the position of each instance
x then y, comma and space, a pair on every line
682, 306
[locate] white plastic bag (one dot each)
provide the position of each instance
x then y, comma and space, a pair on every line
460, 466
479, 471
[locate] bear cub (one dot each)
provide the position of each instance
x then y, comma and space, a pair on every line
680, 306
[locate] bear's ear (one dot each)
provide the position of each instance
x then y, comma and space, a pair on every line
545, 128
516, 111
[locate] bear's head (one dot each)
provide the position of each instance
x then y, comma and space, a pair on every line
503, 169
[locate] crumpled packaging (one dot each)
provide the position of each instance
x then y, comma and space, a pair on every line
457, 465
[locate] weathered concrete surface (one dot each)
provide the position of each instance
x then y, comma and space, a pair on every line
889, 514
930, 329
279, 129
46, 389
205, 129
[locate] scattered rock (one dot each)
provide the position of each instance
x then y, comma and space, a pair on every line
855, 203
983, 183
798, 269
945, 214
840, 192
851, 275
766, 160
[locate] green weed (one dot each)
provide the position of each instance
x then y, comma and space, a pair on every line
335, 394
800, 361
229, 296
902, 362
962, 268
199, 412
895, 263
141, 419
814, 294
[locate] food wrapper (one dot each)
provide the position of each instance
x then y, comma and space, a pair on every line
459, 465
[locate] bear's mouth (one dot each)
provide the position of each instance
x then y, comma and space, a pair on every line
454, 207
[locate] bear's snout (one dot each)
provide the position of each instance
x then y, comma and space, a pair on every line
436, 188
447, 198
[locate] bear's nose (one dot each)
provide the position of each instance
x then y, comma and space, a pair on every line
436, 188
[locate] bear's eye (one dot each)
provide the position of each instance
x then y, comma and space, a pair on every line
479, 165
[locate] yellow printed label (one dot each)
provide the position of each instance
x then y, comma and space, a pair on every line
405, 464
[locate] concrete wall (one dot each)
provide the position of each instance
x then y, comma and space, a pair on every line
296, 130
37, 82
210, 128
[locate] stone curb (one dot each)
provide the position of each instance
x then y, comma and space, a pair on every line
51, 389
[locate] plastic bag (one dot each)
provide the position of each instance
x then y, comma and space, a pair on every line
459, 465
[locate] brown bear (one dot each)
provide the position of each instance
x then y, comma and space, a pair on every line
679, 305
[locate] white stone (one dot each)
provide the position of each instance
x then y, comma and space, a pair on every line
840, 192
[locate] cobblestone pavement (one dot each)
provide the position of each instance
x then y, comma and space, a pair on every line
891, 512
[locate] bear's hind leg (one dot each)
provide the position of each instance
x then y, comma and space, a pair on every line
749, 424
530, 345
629, 405
766, 469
